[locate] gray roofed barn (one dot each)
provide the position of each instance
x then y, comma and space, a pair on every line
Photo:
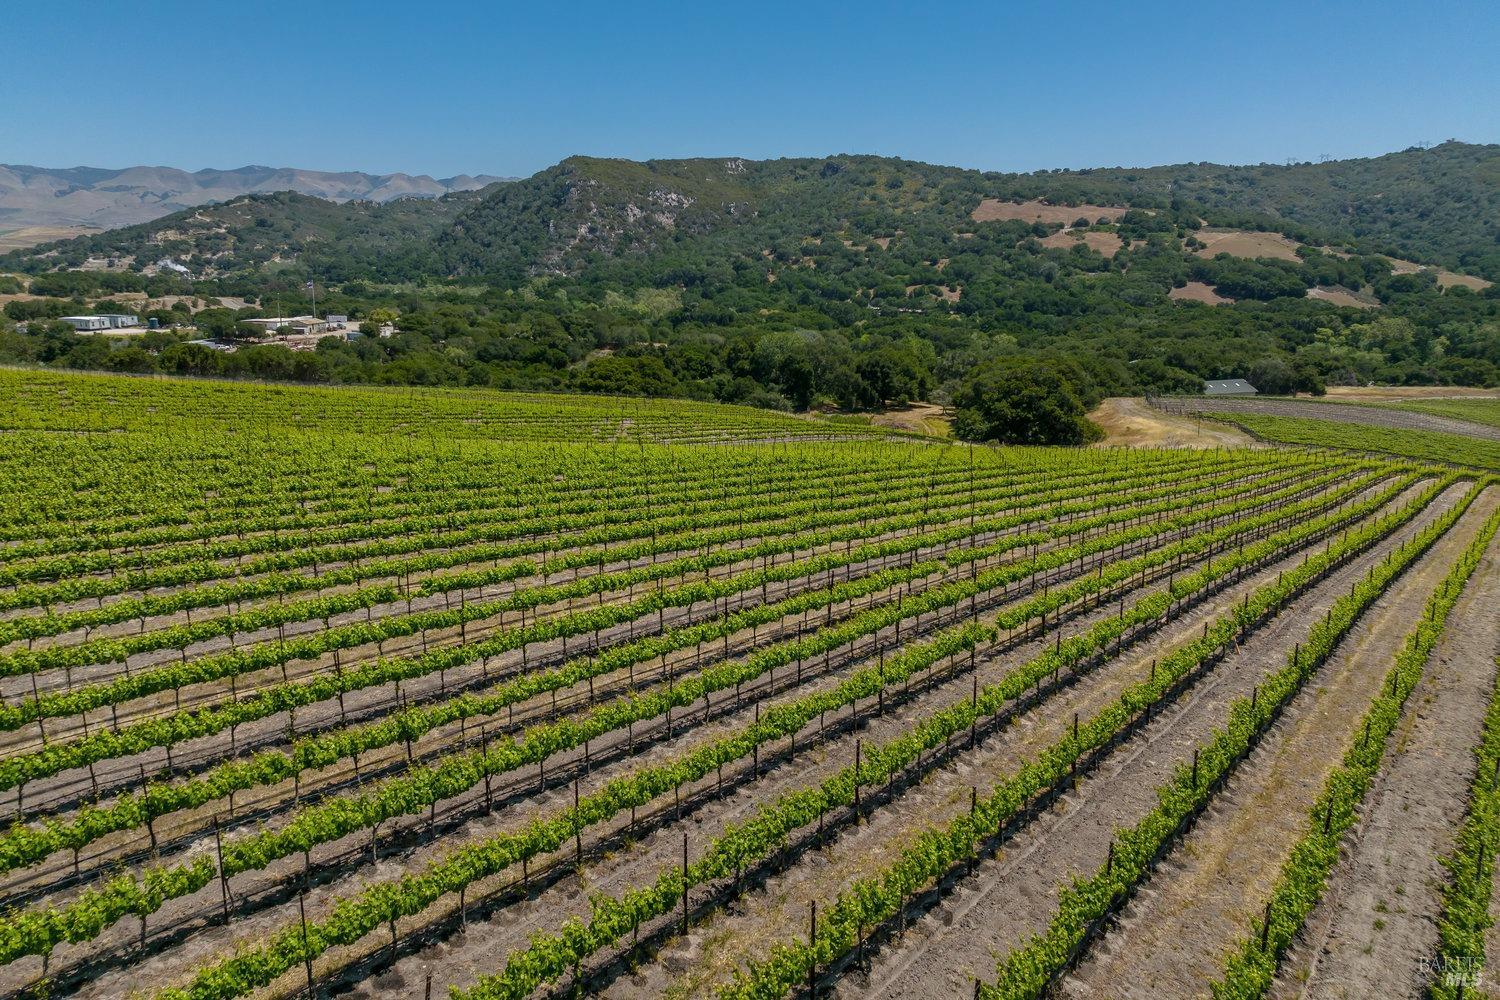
1229, 387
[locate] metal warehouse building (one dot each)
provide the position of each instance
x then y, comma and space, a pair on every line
1229, 387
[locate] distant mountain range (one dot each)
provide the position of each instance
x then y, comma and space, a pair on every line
105, 199
693, 222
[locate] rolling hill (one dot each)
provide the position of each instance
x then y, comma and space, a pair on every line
1439, 206
104, 199
849, 279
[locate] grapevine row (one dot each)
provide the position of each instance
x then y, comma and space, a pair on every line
873, 899
384, 901
1249, 971
197, 723
1028, 971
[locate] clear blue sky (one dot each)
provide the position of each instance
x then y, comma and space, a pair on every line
508, 88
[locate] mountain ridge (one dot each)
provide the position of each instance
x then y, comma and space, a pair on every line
1438, 205
109, 198
850, 279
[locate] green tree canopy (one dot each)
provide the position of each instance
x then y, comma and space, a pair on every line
1020, 403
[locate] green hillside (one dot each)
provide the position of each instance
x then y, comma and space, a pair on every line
257, 232
846, 281
1438, 205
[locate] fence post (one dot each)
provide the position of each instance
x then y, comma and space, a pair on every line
577, 834
302, 915
973, 810
858, 746
223, 878
812, 945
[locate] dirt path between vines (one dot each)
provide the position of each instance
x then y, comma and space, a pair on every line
178, 961
1015, 895
446, 737
484, 946
1172, 940
1378, 921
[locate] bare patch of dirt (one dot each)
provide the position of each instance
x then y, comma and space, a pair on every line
1107, 244
1246, 243
919, 418
995, 210
1129, 423
1447, 279
1198, 291
19, 297
1340, 297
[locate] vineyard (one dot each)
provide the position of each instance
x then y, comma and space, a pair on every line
1461, 432
417, 693
1479, 411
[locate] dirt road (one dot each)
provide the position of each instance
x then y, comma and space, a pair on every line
1129, 423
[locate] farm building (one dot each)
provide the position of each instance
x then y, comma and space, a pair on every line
86, 324
300, 325
102, 321
1229, 387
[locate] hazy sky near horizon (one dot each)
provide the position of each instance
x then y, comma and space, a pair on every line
508, 88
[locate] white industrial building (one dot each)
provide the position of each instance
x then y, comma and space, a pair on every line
102, 321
